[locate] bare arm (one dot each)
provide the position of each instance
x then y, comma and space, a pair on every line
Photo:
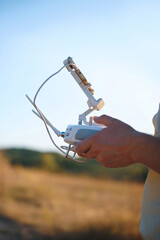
120, 145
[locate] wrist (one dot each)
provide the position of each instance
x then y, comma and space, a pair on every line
141, 143
146, 151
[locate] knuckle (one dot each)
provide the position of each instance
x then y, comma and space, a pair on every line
103, 116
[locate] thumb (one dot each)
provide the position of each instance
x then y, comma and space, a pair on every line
105, 120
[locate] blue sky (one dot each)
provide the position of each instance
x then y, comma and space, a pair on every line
116, 44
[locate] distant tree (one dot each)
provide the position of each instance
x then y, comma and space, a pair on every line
49, 163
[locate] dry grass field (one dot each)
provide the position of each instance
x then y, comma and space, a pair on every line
36, 205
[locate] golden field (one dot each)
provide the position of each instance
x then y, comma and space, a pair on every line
35, 204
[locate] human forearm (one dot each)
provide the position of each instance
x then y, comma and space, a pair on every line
147, 151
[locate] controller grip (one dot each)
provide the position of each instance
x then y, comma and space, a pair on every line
81, 134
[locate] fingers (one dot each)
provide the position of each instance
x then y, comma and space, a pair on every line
109, 159
105, 120
83, 147
88, 146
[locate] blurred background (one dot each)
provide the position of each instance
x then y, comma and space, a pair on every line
116, 46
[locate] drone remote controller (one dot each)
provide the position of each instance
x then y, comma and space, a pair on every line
74, 134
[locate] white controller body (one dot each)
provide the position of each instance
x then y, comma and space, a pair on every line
74, 134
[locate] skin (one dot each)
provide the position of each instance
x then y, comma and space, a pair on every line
119, 145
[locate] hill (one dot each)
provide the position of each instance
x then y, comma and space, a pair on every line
56, 163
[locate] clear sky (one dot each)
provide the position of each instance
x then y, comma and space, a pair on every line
116, 45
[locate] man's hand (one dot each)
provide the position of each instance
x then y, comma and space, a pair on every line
119, 145
113, 146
